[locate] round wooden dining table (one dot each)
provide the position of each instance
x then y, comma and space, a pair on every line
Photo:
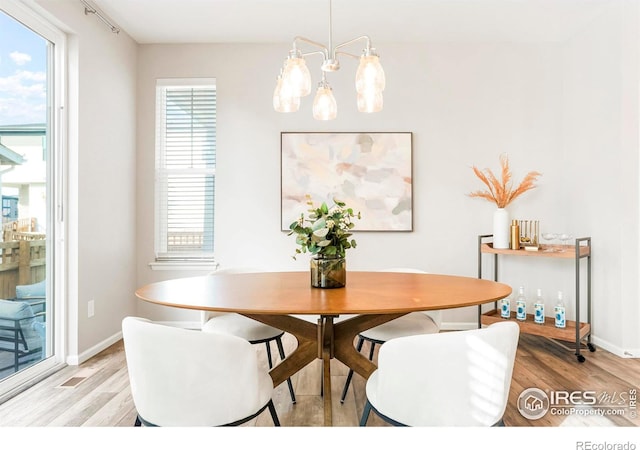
280, 298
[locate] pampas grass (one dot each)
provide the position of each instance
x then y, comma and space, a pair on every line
500, 191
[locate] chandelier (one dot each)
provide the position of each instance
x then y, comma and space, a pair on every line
294, 80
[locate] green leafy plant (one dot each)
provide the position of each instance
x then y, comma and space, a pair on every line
325, 231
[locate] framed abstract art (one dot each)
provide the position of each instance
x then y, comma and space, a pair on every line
371, 172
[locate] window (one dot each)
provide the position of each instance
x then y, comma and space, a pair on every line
185, 169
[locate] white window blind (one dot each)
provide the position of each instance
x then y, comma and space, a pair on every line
185, 168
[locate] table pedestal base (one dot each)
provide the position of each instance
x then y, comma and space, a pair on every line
324, 340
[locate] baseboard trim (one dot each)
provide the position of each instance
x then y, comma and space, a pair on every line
75, 360
618, 351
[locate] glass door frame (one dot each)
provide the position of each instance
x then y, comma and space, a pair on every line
57, 160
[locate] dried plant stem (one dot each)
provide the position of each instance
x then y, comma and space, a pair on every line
500, 191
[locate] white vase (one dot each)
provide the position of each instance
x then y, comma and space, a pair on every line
501, 228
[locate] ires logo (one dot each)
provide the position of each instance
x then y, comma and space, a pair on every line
565, 398
534, 403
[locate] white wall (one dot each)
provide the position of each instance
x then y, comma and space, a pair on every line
554, 108
101, 177
600, 128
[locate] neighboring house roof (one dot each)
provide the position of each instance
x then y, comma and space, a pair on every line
9, 158
28, 129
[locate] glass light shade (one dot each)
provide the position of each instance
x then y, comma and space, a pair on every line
283, 101
370, 75
297, 77
324, 105
370, 102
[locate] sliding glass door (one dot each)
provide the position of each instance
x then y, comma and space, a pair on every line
30, 138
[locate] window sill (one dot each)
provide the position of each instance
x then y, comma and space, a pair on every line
206, 266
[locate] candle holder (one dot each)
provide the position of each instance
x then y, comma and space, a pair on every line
529, 234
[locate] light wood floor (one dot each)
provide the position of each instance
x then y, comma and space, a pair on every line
102, 398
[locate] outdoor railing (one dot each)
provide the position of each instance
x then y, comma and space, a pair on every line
21, 262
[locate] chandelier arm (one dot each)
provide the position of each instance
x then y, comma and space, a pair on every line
317, 52
359, 38
325, 51
347, 54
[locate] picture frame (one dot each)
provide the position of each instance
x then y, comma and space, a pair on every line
370, 171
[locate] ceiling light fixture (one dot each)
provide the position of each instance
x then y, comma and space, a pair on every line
294, 80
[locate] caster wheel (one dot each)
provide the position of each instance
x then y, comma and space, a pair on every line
591, 347
581, 359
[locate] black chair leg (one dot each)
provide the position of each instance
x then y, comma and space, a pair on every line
365, 414
269, 355
321, 378
346, 386
138, 423
274, 415
282, 356
350, 375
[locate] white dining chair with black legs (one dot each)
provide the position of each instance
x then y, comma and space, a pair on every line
182, 377
414, 323
251, 330
458, 378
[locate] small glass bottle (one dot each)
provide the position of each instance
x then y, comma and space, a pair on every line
560, 312
505, 308
521, 305
538, 308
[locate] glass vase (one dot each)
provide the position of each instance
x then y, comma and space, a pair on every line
327, 272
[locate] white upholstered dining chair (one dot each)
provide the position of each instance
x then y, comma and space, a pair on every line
182, 377
458, 378
422, 322
251, 330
